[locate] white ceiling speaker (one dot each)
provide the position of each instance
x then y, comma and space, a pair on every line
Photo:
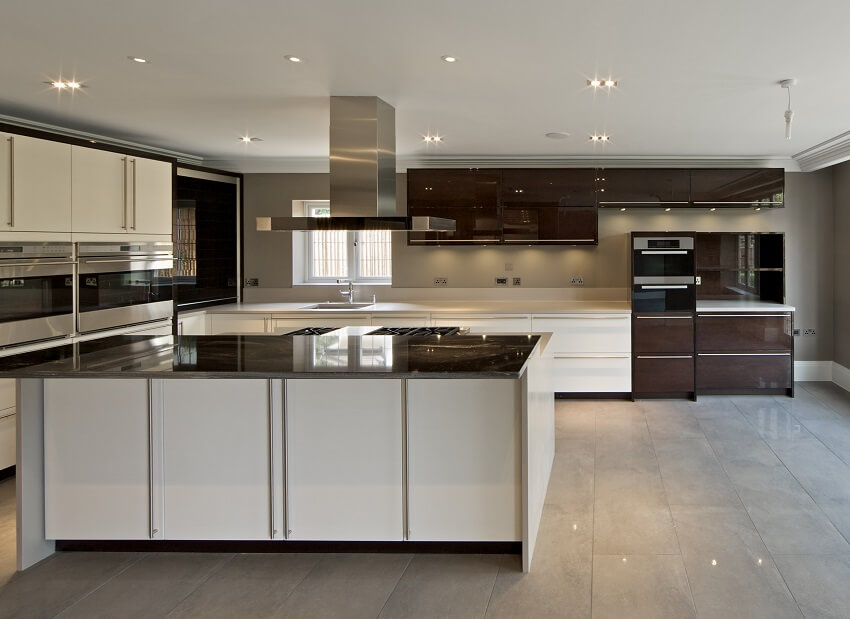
789, 113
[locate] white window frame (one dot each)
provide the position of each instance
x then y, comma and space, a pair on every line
352, 244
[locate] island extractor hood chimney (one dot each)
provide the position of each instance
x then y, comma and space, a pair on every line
362, 174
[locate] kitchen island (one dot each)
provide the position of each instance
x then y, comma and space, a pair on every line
396, 441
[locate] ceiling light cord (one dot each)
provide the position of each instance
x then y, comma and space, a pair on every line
789, 113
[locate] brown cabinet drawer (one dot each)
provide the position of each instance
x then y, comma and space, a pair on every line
663, 334
744, 371
743, 332
663, 374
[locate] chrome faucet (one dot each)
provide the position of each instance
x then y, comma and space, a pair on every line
350, 292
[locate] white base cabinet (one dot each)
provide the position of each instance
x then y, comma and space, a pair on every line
464, 460
480, 323
216, 459
344, 459
7, 438
242, 323
96, 459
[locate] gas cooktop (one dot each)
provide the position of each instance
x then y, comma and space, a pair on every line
416, 331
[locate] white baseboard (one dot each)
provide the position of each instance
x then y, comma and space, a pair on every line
841, 376
813, 370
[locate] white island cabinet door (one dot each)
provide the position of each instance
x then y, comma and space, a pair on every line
344, 459
464, 460
96, 459
237, 323
215, 459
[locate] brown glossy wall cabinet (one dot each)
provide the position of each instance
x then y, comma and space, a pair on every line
747, 187
629, 187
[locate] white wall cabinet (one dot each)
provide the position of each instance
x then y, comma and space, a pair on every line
464, 460
216, 467
96, 459
591, 353
484, 323
116, 194
344, 459
35, 185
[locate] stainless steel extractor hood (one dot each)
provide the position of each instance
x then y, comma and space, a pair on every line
362, 174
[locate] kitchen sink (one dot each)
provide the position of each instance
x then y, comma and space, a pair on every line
341, 305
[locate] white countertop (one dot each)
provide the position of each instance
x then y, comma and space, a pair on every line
453, 307
742, 306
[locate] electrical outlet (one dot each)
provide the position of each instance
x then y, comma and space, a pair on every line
252, 282
808, 332
441, 281
509, 266
501, 281
577, 280
517, 281
795, 332
699, 280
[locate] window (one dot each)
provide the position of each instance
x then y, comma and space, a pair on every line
358, 255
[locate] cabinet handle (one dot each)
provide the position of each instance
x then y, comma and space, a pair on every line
134, 194
124, 191
666, 287
664, 252
270, 413
743, 315
744, 354
664, 317
11, 182
590, 356
665, 356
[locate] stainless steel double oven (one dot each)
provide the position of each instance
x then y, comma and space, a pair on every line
123, 284
36, 292
663, 273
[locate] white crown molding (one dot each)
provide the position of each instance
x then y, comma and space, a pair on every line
827, 153
100, 139
311, 165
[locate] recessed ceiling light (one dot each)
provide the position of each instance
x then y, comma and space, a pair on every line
449, 58
138, 59
293, 58
61, 84
432, 139
57, 84
599, 83
247, 139
557, 135
599, 138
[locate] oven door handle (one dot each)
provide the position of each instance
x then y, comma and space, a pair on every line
44, 269
170, 258
670, 287
664, 252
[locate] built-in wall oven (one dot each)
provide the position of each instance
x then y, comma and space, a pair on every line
663, 274
123, 284
36, 292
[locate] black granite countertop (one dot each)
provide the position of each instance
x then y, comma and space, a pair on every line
267, 356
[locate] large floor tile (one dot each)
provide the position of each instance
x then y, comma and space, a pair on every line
649, 586
61, 580
692, 475
445, 586
728, 428
560, 581
773, 422
707, 407
248, 586
730, 571
635, 521
151, 587
830, 394
675, 423
572, 422
571, 482
834, 433
816, 467
804, 406
346, 586
819, 584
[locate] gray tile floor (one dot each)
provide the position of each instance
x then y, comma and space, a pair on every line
728, 507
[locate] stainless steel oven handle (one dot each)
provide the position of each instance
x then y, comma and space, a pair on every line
678, 287
163, 258
11, 182
664, 252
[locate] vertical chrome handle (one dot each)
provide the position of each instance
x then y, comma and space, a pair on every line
11, 182
124, 191
134, 194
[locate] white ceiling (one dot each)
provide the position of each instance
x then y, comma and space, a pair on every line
696, 78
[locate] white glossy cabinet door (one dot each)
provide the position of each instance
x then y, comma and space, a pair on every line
237, 323
7, 438
215, 463
587, 333
592, 372
7, 393
40, 195
344, 459
100, 191
483, 323
401, 320
464, 460
96, 459
192, 325
150, 202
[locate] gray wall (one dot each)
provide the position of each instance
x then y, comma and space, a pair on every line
841, 190
807, 221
